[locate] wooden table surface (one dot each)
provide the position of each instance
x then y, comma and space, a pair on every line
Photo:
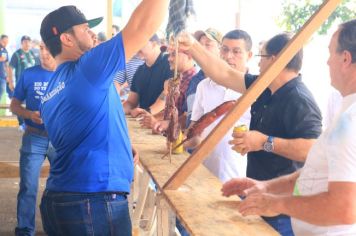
198, 203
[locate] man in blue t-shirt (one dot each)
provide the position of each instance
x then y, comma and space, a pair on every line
93, 169
35, 144
4, 63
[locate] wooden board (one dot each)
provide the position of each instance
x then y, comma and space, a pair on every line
246, 100
198, 203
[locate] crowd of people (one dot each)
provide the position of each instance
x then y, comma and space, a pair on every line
293, 167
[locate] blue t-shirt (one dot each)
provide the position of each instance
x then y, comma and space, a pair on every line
3, 53
30, 88
85, 122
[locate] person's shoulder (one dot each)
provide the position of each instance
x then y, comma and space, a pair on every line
32, 70
251, 76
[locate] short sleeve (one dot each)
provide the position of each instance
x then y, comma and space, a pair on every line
120, 76
302, 119
14, 60
341, 149
20, 92
135, 79
100, 64
198, 110
249, 79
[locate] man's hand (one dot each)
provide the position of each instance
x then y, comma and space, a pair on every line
186, 41
193, 142
148, 121
136, 156
35, 117
11, 87
262, 204
249, 141
137, 112
243, 187
160, 126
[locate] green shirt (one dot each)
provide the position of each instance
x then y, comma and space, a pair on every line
22, 60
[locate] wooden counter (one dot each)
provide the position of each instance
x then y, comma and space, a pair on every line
198, 203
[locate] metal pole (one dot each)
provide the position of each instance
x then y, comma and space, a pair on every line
109, 19
2, 17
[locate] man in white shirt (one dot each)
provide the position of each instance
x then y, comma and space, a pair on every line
320, 197
223, 162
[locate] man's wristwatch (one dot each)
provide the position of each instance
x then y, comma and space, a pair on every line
268, 146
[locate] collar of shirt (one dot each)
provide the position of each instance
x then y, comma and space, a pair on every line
288, 86
348, 101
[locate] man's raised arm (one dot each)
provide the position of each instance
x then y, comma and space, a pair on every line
143, 23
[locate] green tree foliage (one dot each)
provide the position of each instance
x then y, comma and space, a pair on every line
296, 12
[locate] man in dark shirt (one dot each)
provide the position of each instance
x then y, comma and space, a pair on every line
148, 81
22, 59
285, 120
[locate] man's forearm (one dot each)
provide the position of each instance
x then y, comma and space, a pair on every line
293, 149
128, 106
9, 76
282, 185
157, 106
320, 209
143, 23
19, 110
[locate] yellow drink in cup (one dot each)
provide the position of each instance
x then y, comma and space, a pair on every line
240, 128
179, 149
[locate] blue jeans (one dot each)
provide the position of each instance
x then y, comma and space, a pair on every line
2, 87
33, 152
74, 214
281, 224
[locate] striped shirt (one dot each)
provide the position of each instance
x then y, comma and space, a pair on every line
127, 74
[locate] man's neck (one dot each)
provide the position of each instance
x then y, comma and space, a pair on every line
350, 87
49, 67
68, 56
151, 60
284, 77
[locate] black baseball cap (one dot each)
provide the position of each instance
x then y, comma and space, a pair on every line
25, 37
62, 19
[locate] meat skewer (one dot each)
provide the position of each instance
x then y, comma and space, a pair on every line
204, 122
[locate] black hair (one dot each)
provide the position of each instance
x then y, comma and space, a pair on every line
54, 45
275, 46
240, 34
347, 38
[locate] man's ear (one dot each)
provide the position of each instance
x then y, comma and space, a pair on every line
249, 55
347, 57
66, 39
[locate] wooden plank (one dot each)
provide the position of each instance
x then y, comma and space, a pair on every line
198, 203
109, 21
144, 184
251, 94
